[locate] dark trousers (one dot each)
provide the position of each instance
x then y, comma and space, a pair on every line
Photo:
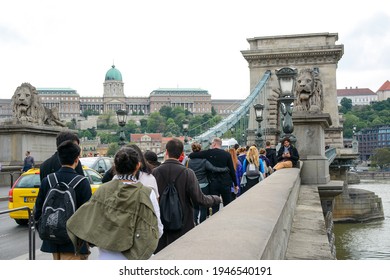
217, 188
249, 184
203, 211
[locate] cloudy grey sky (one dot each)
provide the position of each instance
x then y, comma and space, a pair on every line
177, 43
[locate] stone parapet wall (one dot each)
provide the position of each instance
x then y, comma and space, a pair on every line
255, 226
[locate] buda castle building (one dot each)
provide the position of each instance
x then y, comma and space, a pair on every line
71, 105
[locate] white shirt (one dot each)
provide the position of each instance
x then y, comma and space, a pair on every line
148, 180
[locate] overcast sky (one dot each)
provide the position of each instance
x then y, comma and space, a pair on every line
177, 43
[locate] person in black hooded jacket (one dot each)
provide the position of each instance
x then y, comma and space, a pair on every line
203, 169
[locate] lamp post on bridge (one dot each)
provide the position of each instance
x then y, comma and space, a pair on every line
355, 143
232, 130
186, 124
259, 118
122, 117
286, 79
243, 140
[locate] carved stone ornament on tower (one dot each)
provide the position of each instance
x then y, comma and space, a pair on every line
28, 109
308, 88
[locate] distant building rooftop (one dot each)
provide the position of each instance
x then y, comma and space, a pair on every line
355, 91
165, 91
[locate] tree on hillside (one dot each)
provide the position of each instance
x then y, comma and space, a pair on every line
156, 123
213, 112
104, 120
166, 112
90, 112
346, 105
381, 158
112, 149
172, 129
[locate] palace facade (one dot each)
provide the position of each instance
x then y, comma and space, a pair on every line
71, 105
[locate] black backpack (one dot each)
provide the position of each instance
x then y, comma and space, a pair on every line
58, 207
171, 213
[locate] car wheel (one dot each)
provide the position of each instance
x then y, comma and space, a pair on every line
21, 221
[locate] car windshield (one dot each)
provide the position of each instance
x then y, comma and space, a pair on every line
29, 181
87, 161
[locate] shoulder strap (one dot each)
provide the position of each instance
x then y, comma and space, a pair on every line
174, 180
52, 178
178, 175
75, 181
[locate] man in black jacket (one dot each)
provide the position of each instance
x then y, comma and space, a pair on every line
220, 183
270, 154
68, 153
53, 163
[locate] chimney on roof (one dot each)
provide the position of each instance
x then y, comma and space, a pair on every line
350, 87
346, 87
356, 87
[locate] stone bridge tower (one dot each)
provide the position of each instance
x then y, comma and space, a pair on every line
316, 51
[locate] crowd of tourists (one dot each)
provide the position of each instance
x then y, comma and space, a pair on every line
143, 204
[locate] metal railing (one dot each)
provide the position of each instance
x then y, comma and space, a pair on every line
331, 154
31, 229
219, 129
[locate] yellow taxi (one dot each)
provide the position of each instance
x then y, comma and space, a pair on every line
25, 191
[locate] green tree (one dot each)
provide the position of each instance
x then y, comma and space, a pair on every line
87, 134
107, 138
93, 132
72, 124
172, 129
144, 125
105, 121
378, 121
90, 112
346, 105
381, 158
166, 112
213, 112
112, 149
156, 123
350, 121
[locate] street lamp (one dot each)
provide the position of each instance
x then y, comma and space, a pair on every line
243, 140
232, 130
259, 118
286, 79
186, 124
121, 116
355, 143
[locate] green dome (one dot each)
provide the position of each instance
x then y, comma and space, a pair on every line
113, 74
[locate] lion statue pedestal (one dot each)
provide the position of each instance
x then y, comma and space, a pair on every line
33, 128
309, 128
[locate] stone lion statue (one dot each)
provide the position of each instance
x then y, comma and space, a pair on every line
27, 108
309, 96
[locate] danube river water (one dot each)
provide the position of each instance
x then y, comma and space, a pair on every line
366, 241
